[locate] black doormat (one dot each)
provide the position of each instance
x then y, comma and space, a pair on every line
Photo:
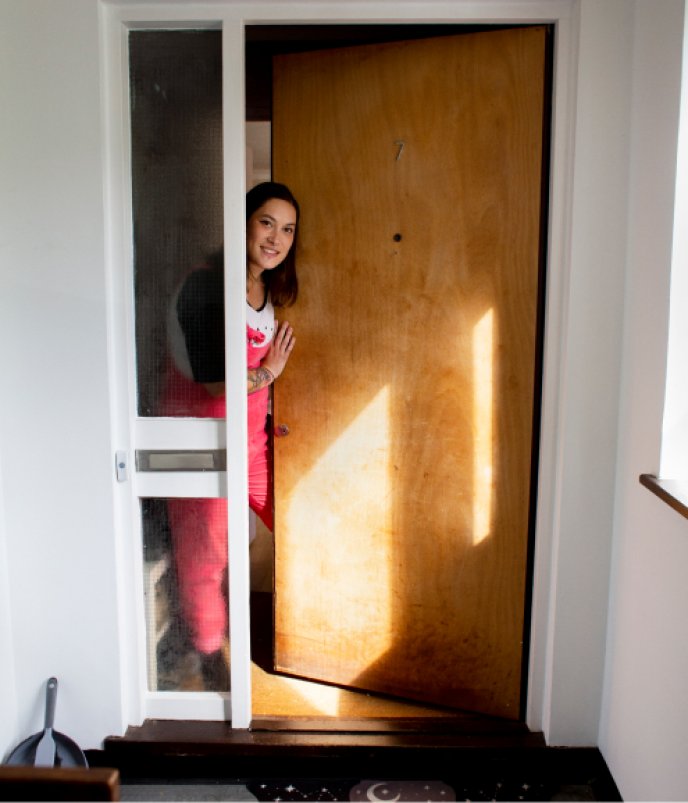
362, 791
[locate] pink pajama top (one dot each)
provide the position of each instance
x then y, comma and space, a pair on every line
197, 357
260, 331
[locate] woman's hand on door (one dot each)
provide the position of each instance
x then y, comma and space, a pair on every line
280, 350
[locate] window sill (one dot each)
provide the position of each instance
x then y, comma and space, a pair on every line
673, 492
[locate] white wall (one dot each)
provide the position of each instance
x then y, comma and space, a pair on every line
674, 457
644, 722
54, 415
591, 355
8, 720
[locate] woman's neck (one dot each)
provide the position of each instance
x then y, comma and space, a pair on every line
253, 276
255, 290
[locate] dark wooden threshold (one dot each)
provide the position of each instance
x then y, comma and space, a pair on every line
308, 748
472, 751
472, 726
673, 492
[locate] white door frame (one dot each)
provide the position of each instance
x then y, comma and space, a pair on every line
119, 16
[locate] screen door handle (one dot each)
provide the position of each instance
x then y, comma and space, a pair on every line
181, 459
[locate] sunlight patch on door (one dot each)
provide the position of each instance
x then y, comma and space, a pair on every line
356, 468
483, 411
324, 700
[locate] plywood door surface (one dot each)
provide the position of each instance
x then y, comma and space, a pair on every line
402, 491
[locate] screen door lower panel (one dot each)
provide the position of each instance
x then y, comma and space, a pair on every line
185, 589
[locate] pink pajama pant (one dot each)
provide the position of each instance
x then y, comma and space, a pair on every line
199, 530
199, 540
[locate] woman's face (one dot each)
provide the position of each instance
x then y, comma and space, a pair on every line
269, 235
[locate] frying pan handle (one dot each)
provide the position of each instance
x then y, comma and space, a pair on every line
50, 702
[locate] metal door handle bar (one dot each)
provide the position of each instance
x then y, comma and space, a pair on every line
181, 459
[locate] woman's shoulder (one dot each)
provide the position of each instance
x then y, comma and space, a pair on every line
202, 286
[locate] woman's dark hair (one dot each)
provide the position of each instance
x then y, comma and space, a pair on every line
281, 281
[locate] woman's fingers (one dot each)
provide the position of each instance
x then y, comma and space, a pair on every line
281, 348
285, 337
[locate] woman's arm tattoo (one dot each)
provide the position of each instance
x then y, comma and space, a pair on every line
259, 378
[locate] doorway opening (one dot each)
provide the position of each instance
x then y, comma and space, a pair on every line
286, 694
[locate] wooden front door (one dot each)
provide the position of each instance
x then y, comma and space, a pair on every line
403, 490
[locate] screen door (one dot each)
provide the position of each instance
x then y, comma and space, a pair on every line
177, 186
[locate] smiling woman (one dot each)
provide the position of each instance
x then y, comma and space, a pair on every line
269, 236
198, 528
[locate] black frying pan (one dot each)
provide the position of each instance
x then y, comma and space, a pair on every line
67, 752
